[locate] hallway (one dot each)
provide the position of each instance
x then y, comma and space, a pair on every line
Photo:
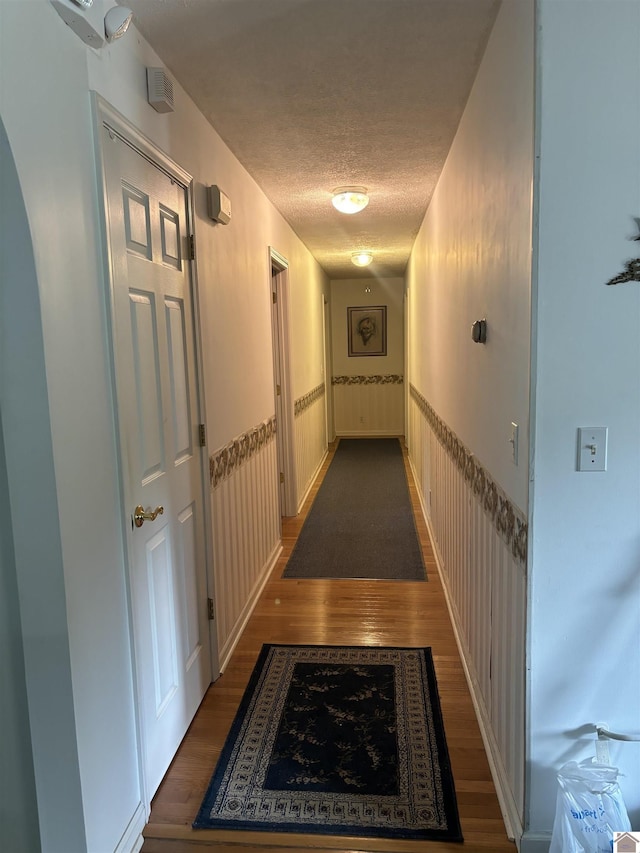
529, 218
355, 612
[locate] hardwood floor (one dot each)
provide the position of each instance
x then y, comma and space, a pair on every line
342, 612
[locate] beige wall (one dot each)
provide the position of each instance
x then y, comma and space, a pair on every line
374, 407
232, 260
472, 260
351, 293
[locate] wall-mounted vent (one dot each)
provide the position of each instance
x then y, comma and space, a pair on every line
159, 90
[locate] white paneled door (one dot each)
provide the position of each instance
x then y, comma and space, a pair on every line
158, 411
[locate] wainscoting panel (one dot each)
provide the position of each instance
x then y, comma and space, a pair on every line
246, 527
508, 651
480, 542
310, 439
368, 405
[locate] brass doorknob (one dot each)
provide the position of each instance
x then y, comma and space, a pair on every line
140, 515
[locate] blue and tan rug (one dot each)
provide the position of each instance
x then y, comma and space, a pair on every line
338, 741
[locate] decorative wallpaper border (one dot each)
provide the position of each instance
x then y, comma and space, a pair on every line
506, 517
308, 399
380, 379
224, 462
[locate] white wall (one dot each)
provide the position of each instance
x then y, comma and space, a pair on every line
472, 260
585, 582
84, 738
60, 450
18, 830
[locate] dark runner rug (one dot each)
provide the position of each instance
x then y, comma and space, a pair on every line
361, 523
337, 741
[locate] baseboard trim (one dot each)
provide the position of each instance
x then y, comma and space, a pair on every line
312, 481
535, 842
380, 433
247, 610
132, 840
510, 816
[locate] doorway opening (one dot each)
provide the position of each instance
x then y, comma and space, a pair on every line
282, 383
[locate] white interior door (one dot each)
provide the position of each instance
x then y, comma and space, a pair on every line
158, 412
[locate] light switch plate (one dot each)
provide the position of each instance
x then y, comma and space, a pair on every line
592, 448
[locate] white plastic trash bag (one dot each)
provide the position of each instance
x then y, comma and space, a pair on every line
589, 809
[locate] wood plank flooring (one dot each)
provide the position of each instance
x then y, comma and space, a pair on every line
333, 612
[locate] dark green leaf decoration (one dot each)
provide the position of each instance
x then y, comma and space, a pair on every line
631, 273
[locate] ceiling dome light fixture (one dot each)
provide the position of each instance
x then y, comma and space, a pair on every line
350, 199
361, 259
116, 22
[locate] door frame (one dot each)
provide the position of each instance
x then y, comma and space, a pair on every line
328, 368
103, 114
280, 337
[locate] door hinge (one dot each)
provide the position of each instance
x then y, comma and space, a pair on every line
274, 297
281, 477
278, 390
210, 612
202, 435
192, 247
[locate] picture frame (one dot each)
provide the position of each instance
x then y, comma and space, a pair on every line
367, 330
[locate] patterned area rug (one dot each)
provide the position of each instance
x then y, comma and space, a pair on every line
339, 741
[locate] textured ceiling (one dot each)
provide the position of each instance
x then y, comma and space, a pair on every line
311, 95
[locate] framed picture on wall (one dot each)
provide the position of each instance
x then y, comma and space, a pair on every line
367, 330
